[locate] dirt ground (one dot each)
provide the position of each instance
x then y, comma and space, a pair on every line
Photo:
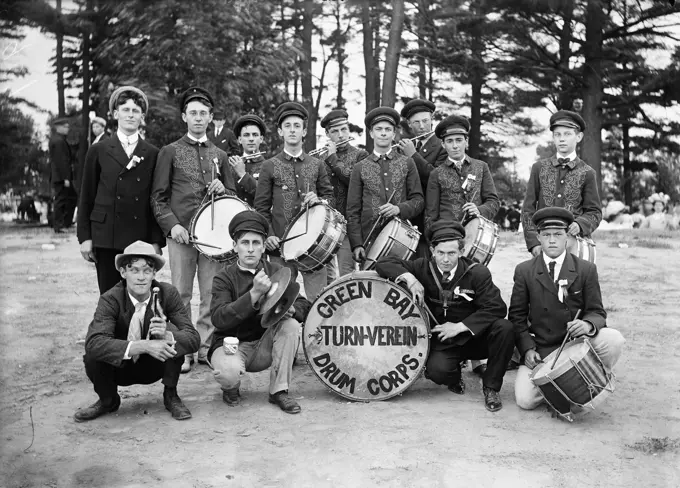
428, 437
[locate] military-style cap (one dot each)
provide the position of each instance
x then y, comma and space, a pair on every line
196, 93
445, 230
333, 118
98, 120
219, 115
552, 218
381, 114
61, 121
248, 221
250, 119
416, 106
452, 125
113, 99
289, 109
567, 118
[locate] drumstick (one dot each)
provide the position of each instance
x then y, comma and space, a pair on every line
559, 351
380, 217
212, 201
194, 241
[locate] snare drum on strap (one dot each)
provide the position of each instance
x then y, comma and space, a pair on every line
397, 238
365, 338
226, 207
481, 237
313, 237
579, 379
582, 247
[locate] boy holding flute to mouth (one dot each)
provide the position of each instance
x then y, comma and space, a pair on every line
250, 131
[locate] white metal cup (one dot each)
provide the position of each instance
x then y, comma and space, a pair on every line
230, 345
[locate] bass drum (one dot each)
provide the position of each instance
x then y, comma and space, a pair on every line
365, 338
582, 247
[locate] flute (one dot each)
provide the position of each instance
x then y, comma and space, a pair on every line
247, 157
319, 151
416, 138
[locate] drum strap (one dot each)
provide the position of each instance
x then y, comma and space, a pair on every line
445, 296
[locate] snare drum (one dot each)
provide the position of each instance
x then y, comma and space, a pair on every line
365, 338
579, 379
481, 237
316, 234
397, 238
226, 207
582, 247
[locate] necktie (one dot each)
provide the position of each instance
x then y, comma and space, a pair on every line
551, 269
419, 146
136, 322
217, 132
563, 161
128, 146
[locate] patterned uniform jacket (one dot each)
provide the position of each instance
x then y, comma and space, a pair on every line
247, 184
339, 168
282, 184
373, 181
573, 187
445, 196
539, 318
183, 172
114, 208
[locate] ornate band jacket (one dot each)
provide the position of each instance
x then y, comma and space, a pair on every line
372, 183
446, 196
283, 182
183, 173
339, 167
573, 187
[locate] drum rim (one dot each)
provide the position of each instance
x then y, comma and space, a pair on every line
426, 320
564, 366
401, 223
474, 243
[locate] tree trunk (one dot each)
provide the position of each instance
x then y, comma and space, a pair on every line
477, 79
392, 54
369, 64
592, 88
422, 68
286, 79
627, 171
306, 73
565, 97
85, 134
59, 63
340, 50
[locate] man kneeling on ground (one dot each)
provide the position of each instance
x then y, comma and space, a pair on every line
236, 294
131, 341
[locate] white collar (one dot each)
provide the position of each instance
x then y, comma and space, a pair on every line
298, 155
457, 162
133, 139
384, 154
559, 260
202, 139
249, 270
452, 272
570, 156
135, 301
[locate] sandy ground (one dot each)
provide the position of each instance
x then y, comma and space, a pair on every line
428, 437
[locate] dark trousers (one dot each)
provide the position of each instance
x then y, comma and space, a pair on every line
65, 201
107, 274
497, 343
106, 378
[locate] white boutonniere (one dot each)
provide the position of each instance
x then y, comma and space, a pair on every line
216, 162
562, 290
458, 293
134, 162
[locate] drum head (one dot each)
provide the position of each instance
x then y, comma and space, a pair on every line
226, 208
573, 351
382, 240
295, 248
365, 338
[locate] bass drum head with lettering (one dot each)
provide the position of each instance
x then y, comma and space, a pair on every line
365, 338
295, 248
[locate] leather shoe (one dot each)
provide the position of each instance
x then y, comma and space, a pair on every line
492, 400
188, 361
231, 397
458, 387
174, 404
286, 403
480, 370
512, 365
96, 410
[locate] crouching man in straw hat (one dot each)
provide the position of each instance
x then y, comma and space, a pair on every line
236, 297
132, 341
548, 292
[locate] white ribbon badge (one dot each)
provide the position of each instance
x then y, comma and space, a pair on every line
134, 162
562, 290
456, 292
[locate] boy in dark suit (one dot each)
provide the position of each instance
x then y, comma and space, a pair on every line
548, 291
222, 136
123, 345
62, 176
114, 209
